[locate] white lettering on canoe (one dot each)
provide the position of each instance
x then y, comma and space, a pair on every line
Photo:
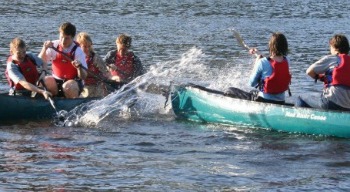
316, 117
306, 116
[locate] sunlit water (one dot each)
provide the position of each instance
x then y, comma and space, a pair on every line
105, 145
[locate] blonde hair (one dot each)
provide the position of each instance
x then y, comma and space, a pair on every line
17, 43
124, 40
84, 37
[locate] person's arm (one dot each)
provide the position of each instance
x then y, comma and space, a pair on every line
43, 53
256, 73
109, 59
39, 62
100, 64
322, 65
17, 77
139, 70
82, 73
34, 88
80, 63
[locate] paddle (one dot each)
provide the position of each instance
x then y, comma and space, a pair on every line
60, 115
38, 82
112, 84
242, 43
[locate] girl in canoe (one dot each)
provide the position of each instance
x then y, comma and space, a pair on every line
124, 65
21, 70
270, 75
333, 70
97, 69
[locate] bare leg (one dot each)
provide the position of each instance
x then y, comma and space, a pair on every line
51, 85
71, 89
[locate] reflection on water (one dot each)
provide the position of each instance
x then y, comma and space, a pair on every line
148, 149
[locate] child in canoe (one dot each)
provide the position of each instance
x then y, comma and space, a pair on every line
124, 65
270, 75
97, 69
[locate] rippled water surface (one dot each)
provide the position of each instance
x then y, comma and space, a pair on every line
147, 148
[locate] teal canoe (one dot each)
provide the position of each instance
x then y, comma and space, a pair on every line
196, 103
26, 108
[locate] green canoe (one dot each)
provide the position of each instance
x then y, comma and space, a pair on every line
25, 108
200, 104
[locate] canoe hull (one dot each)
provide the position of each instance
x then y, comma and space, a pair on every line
22, 108
204, 105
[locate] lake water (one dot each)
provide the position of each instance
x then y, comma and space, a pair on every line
111, 148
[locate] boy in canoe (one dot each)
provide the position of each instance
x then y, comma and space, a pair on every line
97, 69
124, 65
270, 74
68, 63
21, 70
333, 70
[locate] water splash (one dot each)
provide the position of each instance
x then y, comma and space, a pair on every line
142, 96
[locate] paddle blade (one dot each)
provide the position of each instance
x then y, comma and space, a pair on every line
60, 118
240, 40
52, 104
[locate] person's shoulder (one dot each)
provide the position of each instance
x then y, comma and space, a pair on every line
263, 61
330, 56
96, 57
75, 46
32, 55
11, 66
37, 60
328, 59
112, 52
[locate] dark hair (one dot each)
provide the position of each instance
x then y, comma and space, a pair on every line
340, 43
67, 28
278, 44
124, 40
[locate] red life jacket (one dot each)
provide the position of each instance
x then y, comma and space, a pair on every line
62, 67
341, 73
280, 78
28, 70
125, 66
90, 79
